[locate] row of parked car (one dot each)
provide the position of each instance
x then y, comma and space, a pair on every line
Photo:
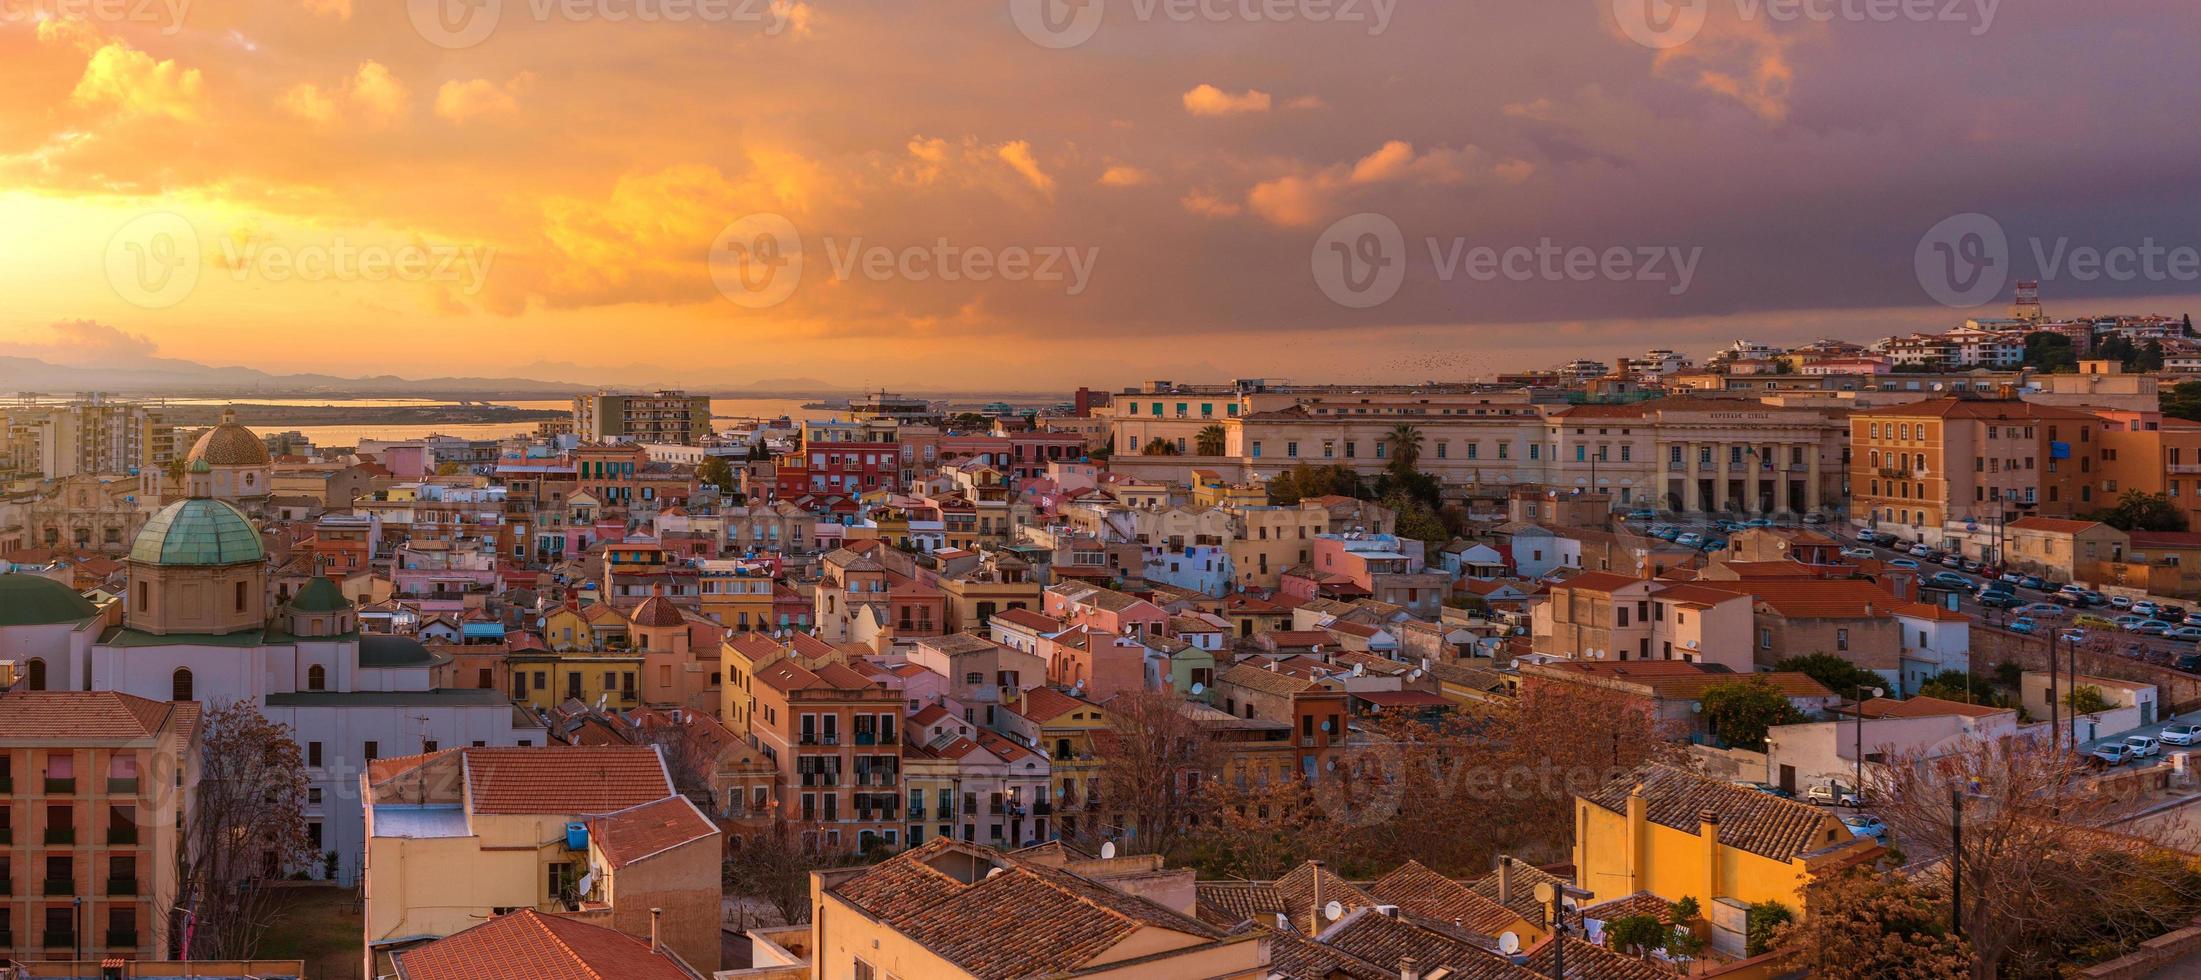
2134, 747
1834, 794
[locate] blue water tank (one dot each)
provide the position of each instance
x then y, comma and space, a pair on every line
576, 836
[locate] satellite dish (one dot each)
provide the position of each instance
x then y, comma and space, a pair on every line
1333, 911
992, 873
1509, 943
1108, 850
1198, 689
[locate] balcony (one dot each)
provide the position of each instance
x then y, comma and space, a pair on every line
122, 939
122, 886
122, 835
1042, 809
58, 886
122, 786
866, 738
64, 939
60, 787
61, 835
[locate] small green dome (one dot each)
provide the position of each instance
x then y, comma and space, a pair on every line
198, 532
320, 596
29, 600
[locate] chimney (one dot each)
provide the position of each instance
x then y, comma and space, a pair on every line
656, 946
1409, 969
1505, 880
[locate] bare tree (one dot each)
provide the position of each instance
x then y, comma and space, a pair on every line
1153, 756
1865, 925
1262, 828
774, 866
245, 826
2042, 883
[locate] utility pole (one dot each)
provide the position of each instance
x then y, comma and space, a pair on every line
2055, 722
1956, 858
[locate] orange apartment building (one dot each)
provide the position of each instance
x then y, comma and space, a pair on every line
1952, 472
833, 734
92, 788
2149, 453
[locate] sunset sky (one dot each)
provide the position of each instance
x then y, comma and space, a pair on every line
577, 171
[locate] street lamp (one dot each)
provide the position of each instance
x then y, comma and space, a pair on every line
1860, 787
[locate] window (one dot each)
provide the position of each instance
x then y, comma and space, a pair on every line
317, 678
1841, 639
35, 674
373, 751
313, 753
240, 608
864, 971
179, 685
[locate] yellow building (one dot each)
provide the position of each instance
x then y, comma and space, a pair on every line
456, 836
1674, 834
1001, 583
545, 679
739, 597
591, 627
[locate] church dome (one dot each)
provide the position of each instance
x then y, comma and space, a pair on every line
198, 532
229, 444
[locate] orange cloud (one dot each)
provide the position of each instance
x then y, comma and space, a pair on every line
1018, 155
129, 82
475, 98
1124, 175
1207, 100
375, 99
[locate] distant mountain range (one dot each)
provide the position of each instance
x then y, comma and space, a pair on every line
178, 377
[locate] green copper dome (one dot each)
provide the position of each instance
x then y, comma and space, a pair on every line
28, 600
197, 532
320, 596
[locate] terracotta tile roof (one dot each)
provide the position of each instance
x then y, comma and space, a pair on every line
1028, 920
1299, 887
563, 779
1296, 956
636, 833
1815, 598
1695, 595
1640, 903
1927, 610
1760, 823
1956, 408
82, 714
1925, 707
1594, 963
1520, 893
1299, 638
1263, 680
1379, 938
1044, 704
657, 611
1030, 620
528, 945
1228, 903
1425, 892
1606, 582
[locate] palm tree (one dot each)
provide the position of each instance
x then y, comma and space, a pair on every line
1405, 442
1159, 446
1211, 441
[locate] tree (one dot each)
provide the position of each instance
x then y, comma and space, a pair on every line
1308, 481
1149, 763
1404, 442
1637, 935
1761, 923
1258, 828
1839, 675
1956, 685
449, 468
2050, 352
1865, 925
1159, 446
714, 471
2137, 511
774, 866
2043, 888
1211, 441
1741, 711
2086, 700
2182, 401
246, 827
1417, 521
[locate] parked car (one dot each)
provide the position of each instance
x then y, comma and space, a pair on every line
2112, 754
1885, 540
1970, 566
2128, 621
2021, 625
2188, 662
2145, 608
2187, 633
2073, 636
2179, 734
1831, 794
2153, 627
1950, 579
1910, 563
1950, 561
2120, 602
1767, 788
1919, 551
1858, 553
1643, 515
2142, 746
1815, 518
1865, 825
2093, 598
2034, 582
1757, 522
2092, 621
2000, 600
2042, 610
1689, 539
2012, 577
2176, 614
1667, 533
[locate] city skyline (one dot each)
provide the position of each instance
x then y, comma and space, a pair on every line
520, 205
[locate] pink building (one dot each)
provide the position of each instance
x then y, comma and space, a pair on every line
1105, 610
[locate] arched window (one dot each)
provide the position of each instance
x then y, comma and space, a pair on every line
34, 674
317, 678
180, 685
